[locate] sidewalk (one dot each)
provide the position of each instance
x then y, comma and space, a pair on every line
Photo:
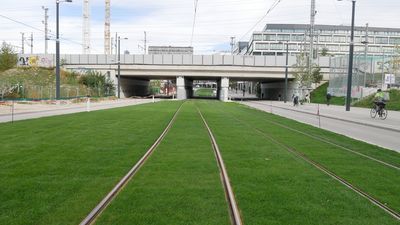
356, 123
355, 115
28, 110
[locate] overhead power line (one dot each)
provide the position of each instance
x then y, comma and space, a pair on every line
40, 30
194, 20
262, 18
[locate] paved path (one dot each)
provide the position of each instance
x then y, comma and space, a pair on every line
38, 110
356, 124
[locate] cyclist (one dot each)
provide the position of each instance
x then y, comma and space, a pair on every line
379, 101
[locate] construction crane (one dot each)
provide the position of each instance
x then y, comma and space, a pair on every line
86, 28
107, 32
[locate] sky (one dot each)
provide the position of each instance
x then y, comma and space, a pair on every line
170, 22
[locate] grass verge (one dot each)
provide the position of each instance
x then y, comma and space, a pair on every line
54, 170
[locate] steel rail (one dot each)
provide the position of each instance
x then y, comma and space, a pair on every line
94, 214
233, 207
331, 143
323, 169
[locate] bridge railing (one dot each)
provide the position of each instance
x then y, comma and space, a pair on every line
190, 60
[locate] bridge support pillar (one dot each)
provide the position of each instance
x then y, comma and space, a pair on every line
181, 92
223, 89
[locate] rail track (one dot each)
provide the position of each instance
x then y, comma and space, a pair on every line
96, 212
233, 207
325, 170
331, 143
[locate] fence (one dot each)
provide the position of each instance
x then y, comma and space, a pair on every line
369, 73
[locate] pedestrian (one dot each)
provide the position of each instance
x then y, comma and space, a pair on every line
296, 100
328, 98
279, 97
308, 98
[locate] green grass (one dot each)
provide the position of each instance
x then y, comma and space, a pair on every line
319, 96
179, 184
204, 92
275, 187
55, 170
393, 104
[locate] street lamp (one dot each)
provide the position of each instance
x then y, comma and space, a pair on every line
119, 65
351, 51
58, 47
286, 70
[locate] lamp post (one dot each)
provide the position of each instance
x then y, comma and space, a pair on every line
286, 70
351, 51
119, 66
58, 47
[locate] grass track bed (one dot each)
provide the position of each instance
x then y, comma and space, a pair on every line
55, 170
380, 181
275, 187
179, 184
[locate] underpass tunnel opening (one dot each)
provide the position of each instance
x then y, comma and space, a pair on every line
243, 89
275, 90
207, 89
134, 87
163, 88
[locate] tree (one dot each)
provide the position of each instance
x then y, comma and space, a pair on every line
325, 51
302, 72
8, 58
98, 81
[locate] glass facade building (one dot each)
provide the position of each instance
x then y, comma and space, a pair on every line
331, 39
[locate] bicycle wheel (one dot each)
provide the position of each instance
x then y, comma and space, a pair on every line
373, 112
384, 114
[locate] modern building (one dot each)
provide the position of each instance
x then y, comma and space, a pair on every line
170, 50
329, 39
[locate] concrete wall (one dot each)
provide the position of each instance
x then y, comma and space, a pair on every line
271, 91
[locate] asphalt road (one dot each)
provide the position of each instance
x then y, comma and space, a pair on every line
356, 124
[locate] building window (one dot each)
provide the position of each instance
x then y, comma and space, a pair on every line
262, 46
381, 40
292, 47
394, 40
276, 46
297, 37
323, 38
333, 48
269, 37
339, 39
257, 37
344, 48
283, 37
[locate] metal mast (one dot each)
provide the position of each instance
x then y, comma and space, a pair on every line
46, 28
312, 22
107, 32
86, 27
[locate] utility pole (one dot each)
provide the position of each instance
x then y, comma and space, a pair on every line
365, 53
312, 23
107, 24
145, 43
232, 44
46, 29
23, 43
31, 39
86, 27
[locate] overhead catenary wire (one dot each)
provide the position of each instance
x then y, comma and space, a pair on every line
262, 18
40, 30
196, 2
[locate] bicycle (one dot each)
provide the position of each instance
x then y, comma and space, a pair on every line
379, 109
